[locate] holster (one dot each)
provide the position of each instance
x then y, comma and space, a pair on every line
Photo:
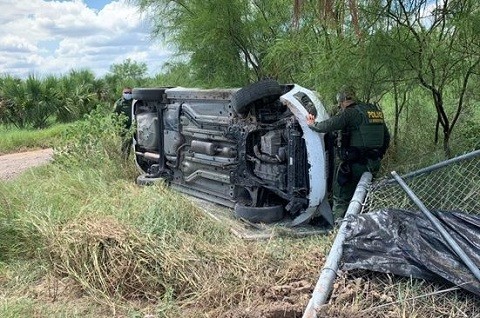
358, 155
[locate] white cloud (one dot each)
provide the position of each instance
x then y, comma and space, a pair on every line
16, 44
45, 37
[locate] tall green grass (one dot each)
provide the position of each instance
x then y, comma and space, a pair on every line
15, 140
120, 244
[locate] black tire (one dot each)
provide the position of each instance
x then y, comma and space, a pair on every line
146, 180
269, 90
151, 94
267, 214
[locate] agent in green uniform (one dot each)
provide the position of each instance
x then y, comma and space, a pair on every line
124, 106
362, 141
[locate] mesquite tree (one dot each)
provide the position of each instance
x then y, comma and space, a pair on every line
441, 45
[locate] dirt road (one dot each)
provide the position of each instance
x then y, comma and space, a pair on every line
12, 165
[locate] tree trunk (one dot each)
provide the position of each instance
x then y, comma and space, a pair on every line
397, 116
446, 144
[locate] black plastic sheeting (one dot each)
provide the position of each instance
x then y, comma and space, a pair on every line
406, 243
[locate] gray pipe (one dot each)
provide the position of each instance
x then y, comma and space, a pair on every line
324, 284
450, 240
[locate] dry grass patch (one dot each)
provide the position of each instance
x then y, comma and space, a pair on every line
107, 258
116, 263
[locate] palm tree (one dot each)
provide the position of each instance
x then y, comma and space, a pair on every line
12, 101
78, 95
40, 100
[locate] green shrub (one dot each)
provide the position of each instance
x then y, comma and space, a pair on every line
93, 143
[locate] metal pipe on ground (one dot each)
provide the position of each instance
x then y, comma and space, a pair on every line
328, 274
450, 240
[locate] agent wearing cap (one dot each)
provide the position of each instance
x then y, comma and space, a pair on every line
124, 106
362, 141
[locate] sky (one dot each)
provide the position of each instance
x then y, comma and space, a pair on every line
44, 37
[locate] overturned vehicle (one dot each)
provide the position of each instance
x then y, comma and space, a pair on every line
249, 149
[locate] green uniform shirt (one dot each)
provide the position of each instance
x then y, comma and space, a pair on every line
340, 121
123, 106
349, 120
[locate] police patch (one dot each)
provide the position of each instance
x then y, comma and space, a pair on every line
375, 117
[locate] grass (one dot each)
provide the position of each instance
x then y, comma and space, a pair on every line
15, 140
133, 251
28, 290
79, 239
88, 243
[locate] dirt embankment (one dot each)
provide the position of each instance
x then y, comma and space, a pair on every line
12, 165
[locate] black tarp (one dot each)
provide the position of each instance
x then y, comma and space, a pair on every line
406, 243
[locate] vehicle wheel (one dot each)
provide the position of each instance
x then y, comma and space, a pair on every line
148, 93
267, 214
146, 180
267, 89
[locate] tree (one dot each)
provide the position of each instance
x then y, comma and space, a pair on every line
174, 74
77, 91
442, 49
224, 41
30, 102
334, 14
12, 108
127, 73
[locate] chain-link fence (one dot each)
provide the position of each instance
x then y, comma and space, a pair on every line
452, 185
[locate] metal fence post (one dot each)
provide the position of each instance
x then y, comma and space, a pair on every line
324, 284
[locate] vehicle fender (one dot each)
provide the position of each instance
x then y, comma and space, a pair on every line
314, 142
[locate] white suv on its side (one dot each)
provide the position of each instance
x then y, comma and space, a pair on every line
247, 148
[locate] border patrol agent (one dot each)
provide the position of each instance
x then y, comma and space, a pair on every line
362, 141
124, 106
